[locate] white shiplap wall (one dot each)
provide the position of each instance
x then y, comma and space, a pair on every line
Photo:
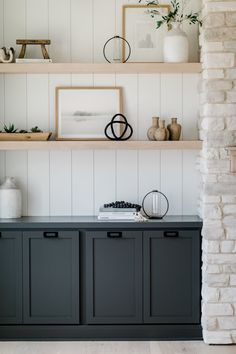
78, 182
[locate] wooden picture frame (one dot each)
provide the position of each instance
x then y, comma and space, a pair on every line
153, 52
79, 109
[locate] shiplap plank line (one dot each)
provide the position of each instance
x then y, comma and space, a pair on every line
82, 80
82, 183
37, 25
38, 183
16, 113
60, 30
82, 31
104, 80
2, 166
55, 81
104, 178
104, 28
16, 166
171, 97
127, 176
83, 167
193, 32
190, 106
1, 23
14, 22
130, 99
2, 100
149, 172
2, 118
149, 103
15, 100
60, 183
171, 180
38, 101
191, 182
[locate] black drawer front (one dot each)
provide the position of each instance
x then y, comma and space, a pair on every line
172, 276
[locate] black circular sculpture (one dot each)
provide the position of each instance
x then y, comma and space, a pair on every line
122, 40
156, 199
123, 122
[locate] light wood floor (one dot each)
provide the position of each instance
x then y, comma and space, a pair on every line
113, 348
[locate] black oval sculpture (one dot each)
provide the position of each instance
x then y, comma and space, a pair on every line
111, 126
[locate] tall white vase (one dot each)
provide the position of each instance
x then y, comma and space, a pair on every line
176, 45
10, 200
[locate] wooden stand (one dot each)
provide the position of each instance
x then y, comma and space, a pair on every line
25, 42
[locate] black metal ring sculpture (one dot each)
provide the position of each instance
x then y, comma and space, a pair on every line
167, 205
121, 38
111, 125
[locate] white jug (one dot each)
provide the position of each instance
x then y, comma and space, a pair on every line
176, 46
10, 200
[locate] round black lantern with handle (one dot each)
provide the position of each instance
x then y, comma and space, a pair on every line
155, 205
113, 50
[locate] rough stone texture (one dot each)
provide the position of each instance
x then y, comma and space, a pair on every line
217, 126
216, 20
218, 309
230, 19
218, 60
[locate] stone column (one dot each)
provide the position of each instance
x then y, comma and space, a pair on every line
218, 199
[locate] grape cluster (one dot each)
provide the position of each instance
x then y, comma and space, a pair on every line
122, 204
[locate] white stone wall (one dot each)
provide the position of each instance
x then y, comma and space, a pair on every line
218, 129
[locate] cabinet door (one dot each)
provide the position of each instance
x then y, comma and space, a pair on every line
51, 277
172, 276
10, 277
114, 277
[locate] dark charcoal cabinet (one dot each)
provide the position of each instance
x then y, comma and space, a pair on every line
172, 276
10, 277
113, 277
51, 277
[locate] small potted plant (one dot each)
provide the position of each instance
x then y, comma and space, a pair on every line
176, 45
11, 133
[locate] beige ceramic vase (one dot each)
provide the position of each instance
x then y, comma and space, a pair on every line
154, 127
174, 129
160, 133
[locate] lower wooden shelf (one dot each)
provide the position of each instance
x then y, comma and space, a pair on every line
101, 68
101, 145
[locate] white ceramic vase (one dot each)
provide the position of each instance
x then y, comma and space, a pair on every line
176, 45
10, 200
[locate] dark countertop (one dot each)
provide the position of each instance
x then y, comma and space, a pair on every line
91, 222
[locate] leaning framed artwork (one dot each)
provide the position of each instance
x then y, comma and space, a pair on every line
82, 113
140, 30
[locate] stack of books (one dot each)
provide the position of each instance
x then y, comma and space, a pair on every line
117, 214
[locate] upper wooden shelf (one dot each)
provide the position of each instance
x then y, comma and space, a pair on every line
85, 68
101, 145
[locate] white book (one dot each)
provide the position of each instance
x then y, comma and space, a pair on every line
43, 61
116, 217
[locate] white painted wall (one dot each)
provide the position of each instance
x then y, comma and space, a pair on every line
78, 182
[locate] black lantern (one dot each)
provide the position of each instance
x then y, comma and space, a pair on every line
113, 50
155, 205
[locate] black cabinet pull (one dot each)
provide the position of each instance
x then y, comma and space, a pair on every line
171, 233
0, 234
50, 234
114, 234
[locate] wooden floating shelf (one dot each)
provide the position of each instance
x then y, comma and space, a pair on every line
86, 68
101, 145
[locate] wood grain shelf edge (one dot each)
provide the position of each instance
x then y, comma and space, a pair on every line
101, 145
101, 68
